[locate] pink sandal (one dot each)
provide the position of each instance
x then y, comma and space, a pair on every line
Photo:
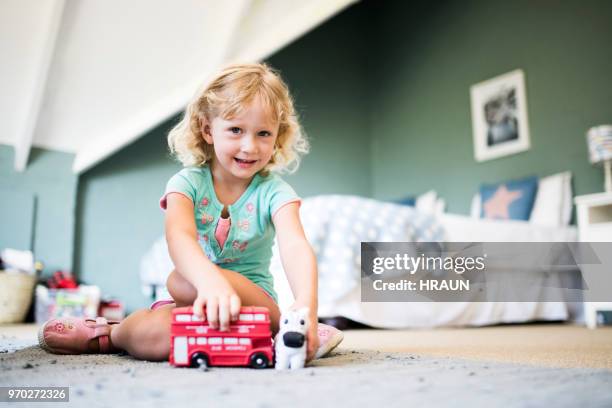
73, 335
329, 338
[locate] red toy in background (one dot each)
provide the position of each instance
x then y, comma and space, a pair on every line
62, 280
112, 309
247, 343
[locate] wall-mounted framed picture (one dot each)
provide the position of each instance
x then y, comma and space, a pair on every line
499, 116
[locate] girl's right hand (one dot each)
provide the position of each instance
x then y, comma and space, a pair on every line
221, 301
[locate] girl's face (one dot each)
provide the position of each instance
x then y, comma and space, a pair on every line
244, 144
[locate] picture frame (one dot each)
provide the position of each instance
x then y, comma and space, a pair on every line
499, 116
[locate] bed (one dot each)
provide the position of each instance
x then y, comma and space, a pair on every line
336, 224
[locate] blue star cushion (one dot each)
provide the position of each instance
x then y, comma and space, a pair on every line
511, 200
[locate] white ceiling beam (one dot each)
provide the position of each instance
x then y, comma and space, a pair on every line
106, 143
24, 136
285, 28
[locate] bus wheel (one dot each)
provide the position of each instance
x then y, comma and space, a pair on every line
259, 360
200, 360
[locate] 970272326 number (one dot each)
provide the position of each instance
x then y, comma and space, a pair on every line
33, 394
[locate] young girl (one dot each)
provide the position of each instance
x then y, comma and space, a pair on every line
222, 212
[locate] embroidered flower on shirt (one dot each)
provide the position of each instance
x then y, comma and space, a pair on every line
240, 246
59, 327
244, 224
229, 260
205, 238
204, 202
206, 218
250, 207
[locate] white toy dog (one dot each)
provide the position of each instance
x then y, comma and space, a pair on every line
290, 342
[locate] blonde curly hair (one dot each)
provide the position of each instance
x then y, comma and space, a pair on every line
225, 95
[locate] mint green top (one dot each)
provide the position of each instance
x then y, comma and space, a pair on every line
248, 247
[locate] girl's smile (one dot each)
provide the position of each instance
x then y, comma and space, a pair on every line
245, 164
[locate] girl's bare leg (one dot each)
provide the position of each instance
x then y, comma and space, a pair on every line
183, 292
145, 334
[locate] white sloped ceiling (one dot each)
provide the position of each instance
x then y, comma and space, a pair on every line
90, 76
28, 32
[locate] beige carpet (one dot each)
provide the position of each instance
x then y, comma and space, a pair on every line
550, 345
430, 368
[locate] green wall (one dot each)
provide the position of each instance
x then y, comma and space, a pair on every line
327, 75
430, 54
50, 181
119, 216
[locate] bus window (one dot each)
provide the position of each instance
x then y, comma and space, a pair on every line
180, 350
259, 317
192, 340
247, 317
195, 318
201, 341
230, 340
245, 341
183, 318
214, 340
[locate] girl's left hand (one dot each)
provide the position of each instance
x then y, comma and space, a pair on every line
312, 338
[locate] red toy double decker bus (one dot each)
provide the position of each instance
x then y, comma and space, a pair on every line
247, 343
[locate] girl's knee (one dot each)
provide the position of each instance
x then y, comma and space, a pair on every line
180, 289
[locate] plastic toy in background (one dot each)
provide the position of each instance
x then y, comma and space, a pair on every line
111, 309
247, 343
62, 280
82, 301
290, 342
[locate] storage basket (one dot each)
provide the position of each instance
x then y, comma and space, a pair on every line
16, 292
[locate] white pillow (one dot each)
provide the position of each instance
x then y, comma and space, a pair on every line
426, 202
476, 206
440, 206
553, 203
430, 203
